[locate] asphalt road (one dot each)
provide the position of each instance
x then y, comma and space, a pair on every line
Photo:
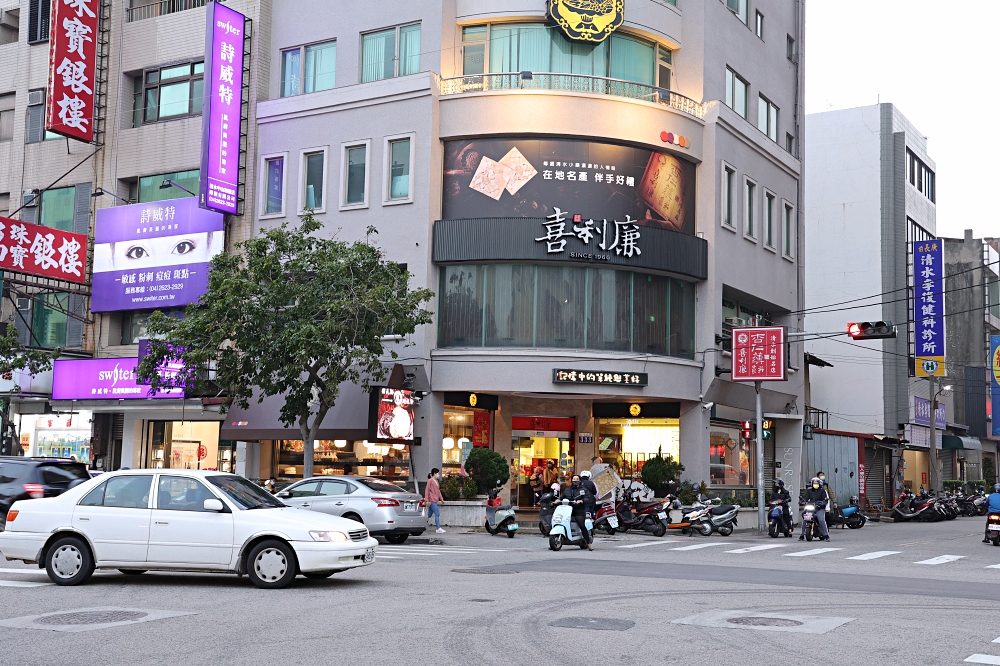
889, 594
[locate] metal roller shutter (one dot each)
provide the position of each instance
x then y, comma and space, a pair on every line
875, 461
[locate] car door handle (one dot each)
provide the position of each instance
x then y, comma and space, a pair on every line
305, 504
162, 522
82, 518
340, 504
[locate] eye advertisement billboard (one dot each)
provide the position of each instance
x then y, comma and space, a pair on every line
153, 255
514, 177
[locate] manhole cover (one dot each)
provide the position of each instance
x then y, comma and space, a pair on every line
764, 622
91, 617
483, 571
482, 601
593, 623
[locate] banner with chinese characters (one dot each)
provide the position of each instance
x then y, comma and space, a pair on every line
759, 354
608, 185
600, 377
222, 109
153, 255
69, 108
46, 251
928, 308
995, 384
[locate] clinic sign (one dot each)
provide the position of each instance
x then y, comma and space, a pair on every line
759, 354
69, 107
222, 109
153, 255
995, 382
101, 379
928, 308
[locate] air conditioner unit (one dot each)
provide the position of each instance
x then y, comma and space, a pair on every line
30, 198
23, 304
36, 97
736, 321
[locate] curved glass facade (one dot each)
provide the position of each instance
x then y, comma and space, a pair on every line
524, 305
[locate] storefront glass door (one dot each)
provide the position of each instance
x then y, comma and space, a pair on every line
183, 445
536, 450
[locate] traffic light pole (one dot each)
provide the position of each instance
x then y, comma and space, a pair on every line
761, 517
932, 457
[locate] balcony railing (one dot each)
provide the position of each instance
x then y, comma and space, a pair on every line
572, 83
159, 8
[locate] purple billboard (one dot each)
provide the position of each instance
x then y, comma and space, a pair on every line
101, 379
221, 109
153, 255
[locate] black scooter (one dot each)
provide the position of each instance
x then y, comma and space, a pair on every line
546, 507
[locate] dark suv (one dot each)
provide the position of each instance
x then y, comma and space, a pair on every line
34, 478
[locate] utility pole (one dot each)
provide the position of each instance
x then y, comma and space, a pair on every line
761, 517
932, 467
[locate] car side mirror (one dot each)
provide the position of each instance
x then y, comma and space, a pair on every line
213, 505
284, 494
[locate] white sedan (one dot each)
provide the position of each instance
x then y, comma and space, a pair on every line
180, 520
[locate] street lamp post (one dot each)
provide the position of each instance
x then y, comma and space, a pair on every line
935, 461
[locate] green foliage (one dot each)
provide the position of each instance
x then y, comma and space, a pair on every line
289, 313
487, 467
989, 470
469, 488
953, 486
14, 357
659, 470
686, 493
451, 487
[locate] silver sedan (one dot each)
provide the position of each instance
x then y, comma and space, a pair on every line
384, 508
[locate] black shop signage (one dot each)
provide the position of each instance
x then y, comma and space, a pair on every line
604, 377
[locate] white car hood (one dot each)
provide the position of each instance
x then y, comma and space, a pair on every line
297, 519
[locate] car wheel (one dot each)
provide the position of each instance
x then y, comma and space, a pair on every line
133, 572
69, 562
396, 538
316, 575
271, 564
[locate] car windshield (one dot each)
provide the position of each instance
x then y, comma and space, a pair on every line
245, 493
380, 486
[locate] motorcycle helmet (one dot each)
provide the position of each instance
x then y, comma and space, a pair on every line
996, 487
779, 483
585, 474
814, 481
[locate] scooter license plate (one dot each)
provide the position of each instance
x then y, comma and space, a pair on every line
613, 521
994, 528
512, 527
662, 515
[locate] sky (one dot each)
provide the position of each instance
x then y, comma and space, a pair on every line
932, 60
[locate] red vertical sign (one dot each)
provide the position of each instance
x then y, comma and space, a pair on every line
759, 354
69, 109
481, 429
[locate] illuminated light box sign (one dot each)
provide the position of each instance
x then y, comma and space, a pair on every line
391, 414
600, 377
153, 255
759, 354
69, 107
101, 379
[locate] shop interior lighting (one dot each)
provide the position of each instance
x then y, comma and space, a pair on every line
448, 443
399, 447
340, 443
462, 441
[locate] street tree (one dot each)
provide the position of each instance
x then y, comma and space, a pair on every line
15, 357
289, 313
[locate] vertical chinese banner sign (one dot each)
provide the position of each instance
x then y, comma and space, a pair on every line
759, 354
481, 429
928, 308
69, 109
995, 382
221, 109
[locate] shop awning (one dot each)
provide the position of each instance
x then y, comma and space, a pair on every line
348, 419
954, 442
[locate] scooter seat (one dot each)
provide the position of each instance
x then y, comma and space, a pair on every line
719, 510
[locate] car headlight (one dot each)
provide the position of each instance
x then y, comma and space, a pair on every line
328, 536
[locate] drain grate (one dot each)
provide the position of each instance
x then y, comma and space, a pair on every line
764, 622
593, 623
90, 617
484, 571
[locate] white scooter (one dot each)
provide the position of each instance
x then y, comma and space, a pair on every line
565, 530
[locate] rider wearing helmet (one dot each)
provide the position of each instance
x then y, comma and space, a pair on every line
993, 506
816, 495
781, 493
591, 487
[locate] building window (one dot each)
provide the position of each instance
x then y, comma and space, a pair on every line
474, 49
919, 175
732, 459
169, 92
389, 53
151, 187
522, 305
767, 118
915, 232
48, 320
626, 444
788, 230
790, 143
664, 67
790, 48
309, 68
4, 204
399, 158
728, 196
274, 185
740, 8
736, 92
39, 12
354, 181
7, 117
133, 323
749, 208
769, 203
759, 25
56, 208
312, 193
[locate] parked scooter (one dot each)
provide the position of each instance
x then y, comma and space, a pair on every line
776, 523
606, 518
565, 531
707, 516
646, 518
849, 515
499, 519
546, 506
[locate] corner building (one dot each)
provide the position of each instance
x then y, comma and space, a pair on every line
593, 217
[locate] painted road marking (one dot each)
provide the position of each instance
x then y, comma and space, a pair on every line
699, 546
995, 640
22, 583
983, 659
753, 549
994, 566
648, 543
942, 559
814, 551
391, 557
875, 555
24, 571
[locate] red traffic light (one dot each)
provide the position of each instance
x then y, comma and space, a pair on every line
746, 429
868, 330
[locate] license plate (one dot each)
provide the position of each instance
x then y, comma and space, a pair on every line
994, 528
662, 515
613, 522
409, 506
370, 555
512, 527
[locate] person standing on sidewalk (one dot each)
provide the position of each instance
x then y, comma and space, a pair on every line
433, 497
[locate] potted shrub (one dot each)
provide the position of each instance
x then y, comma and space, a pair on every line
486, 467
